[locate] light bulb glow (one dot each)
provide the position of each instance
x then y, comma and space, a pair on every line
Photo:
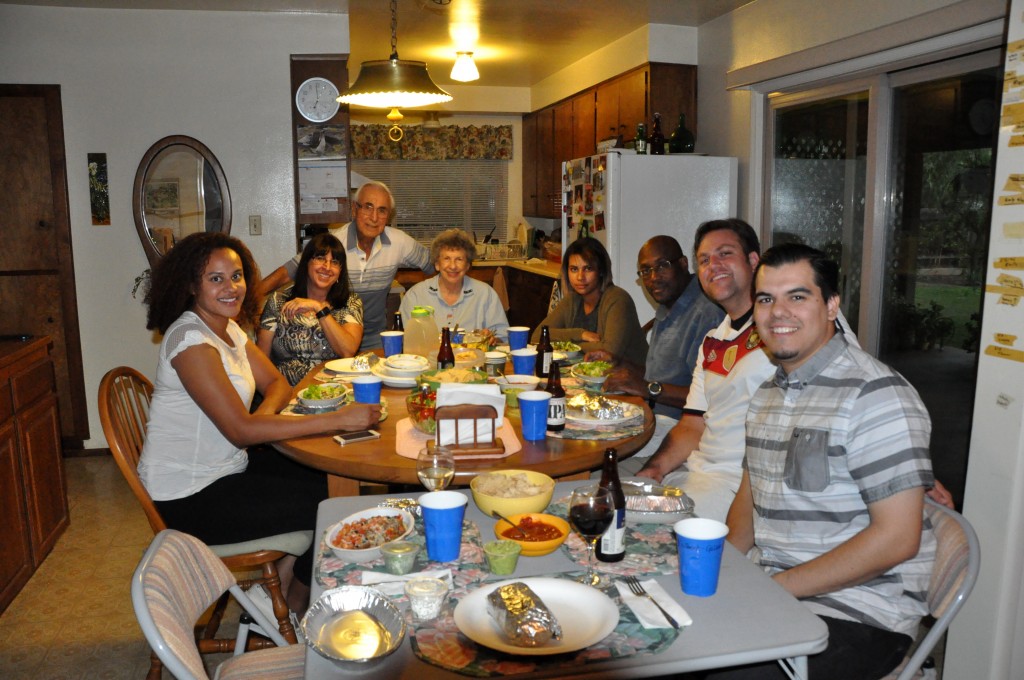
465, 69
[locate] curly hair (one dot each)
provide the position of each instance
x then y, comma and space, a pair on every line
323, 244
453, 239
594, 254
176, 276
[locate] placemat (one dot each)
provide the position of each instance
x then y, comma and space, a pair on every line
470, 569
440, 643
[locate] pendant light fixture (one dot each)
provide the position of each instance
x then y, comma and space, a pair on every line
464, 69
394, 83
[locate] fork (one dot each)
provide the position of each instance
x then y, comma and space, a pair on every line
637, 589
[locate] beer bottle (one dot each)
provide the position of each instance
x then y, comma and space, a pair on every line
556, 407
656, 142
612, 546
445, 355
396, 323
544, 353
640, 141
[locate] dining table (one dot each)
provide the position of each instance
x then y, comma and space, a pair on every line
377, 461
749, 619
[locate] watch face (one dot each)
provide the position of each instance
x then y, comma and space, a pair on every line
317, 100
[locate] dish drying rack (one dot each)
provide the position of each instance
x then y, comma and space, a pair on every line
513, 250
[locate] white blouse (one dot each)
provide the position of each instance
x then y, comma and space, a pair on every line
184, 451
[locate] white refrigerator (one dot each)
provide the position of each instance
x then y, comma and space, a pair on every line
623, 199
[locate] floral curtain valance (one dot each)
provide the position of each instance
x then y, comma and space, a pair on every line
448, 142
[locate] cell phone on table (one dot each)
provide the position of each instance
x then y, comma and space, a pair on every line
353, 437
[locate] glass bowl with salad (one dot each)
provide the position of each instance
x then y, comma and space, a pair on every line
324, 396
571, 350
422, 405
592, 373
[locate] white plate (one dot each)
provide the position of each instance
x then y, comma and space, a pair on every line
408, 365
344, 366
391, 380
629, 411
367, 554
588, 379
586, 615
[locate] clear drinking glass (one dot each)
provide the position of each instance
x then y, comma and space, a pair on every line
591, 511
435, 467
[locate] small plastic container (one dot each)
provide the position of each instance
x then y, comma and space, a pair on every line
502, 556
426, 597
399, 556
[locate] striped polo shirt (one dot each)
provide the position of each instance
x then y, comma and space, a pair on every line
842, 431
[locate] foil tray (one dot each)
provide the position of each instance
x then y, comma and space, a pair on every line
651, 503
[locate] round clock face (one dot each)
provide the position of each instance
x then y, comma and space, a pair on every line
316, 99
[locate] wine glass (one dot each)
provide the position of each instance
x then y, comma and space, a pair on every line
591, 511
435, 467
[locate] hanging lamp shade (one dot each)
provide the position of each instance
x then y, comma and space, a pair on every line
394, 83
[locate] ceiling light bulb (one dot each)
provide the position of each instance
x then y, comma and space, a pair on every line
464, 69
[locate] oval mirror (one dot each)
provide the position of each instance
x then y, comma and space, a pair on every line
180, 189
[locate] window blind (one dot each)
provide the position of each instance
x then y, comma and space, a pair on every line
431, 196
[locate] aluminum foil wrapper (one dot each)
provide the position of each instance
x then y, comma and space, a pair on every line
597, 406
523, 617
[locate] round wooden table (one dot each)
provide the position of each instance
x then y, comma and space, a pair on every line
377, 462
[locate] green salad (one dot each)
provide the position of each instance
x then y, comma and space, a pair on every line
566, 346
593, 369
323, 392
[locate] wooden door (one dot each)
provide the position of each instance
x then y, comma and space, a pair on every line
606, 114
548, 190
530, 161
46, 488
583, 137
633, 103
15, 554
37, 277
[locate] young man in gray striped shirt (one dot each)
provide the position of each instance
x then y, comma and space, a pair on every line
835, 474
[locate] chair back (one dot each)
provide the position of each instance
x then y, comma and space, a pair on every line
124, 399
957, 562
177, 580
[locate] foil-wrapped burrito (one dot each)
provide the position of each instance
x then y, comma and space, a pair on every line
596, 406
522, 616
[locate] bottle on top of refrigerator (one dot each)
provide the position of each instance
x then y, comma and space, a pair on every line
656, 142
612, 546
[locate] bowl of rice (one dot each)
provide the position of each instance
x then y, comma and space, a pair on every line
358, 537
451, 375
512, 492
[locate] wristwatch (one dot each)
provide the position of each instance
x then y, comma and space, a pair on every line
654, 389
324, 312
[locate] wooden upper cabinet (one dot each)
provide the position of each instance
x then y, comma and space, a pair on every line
548, 192
531, 162
633, 103
584, 140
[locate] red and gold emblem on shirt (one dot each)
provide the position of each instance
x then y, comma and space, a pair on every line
721, 356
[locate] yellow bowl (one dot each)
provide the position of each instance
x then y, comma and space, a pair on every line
517, 504
534, 548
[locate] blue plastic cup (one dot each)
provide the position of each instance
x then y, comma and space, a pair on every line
367, 389
533, 412
442, 523
518, 337
393, 341
524, 361
699, 542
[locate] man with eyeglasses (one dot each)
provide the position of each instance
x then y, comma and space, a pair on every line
374, 254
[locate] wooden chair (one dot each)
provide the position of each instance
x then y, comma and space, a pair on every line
177, 579
124, 402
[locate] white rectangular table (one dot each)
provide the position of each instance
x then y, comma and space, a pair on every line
750, 619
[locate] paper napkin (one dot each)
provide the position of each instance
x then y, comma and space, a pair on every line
451, 394
646, 613
394, 584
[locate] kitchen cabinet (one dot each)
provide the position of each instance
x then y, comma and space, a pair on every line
33, 488
529, 295
572, 127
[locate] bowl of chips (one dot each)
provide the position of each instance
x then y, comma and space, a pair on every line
512, 492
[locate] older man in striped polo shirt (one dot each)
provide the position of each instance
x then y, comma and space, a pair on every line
836, 469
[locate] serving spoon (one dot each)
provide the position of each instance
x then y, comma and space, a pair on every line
497, 515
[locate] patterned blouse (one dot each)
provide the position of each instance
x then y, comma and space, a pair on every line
300, 344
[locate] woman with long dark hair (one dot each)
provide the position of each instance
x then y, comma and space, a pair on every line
318, 318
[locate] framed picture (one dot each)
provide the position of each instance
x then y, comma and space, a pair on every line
162, 197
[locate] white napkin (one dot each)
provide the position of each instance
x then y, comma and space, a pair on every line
394, 584
451, 394
646, 613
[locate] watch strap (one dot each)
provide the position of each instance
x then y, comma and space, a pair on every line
324, 312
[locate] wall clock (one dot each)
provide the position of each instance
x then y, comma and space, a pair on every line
317, 99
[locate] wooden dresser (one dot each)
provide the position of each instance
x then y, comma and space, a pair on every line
33, 489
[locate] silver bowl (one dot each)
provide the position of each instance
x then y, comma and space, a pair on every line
353, 626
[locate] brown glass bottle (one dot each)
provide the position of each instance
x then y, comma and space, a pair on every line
656, 142
640, 141
396, 322
545, 350
612, 546
445, 355
556, 407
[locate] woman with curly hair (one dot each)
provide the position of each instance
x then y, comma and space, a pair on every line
318, 318
194, 463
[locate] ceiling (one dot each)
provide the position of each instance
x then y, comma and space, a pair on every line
516, 43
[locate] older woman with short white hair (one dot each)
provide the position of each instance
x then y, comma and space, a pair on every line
457, 299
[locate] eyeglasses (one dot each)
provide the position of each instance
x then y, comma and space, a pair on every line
320, 261
370, 208
660, 267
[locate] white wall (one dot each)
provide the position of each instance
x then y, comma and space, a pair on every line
129, 78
